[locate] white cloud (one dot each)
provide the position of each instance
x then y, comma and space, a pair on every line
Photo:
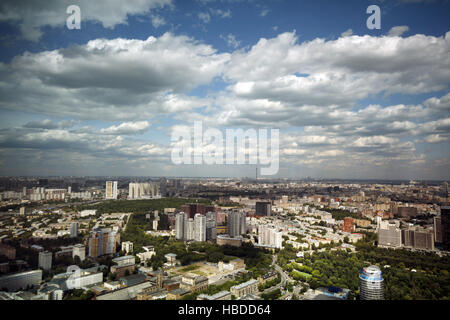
204, 16
127, 128
231, 41
347, 33
111, 79
398, 31
436, 138
264, 12
32, 15
157, 21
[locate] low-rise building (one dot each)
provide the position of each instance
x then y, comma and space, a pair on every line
222, 295
249, 287
21, 280
193, 282
177, 294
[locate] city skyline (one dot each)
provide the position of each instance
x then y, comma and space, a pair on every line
350, 102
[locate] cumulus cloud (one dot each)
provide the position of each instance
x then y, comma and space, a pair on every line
116, 79
32, 15
313, 89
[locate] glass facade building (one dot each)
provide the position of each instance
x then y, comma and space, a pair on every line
371, 284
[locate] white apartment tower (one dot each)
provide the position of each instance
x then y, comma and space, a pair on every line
180, 226
45, 260
111, 192
200, 227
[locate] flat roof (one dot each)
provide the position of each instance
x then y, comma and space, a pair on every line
123, 258
245, 284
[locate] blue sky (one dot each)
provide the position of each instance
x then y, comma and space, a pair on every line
349, 102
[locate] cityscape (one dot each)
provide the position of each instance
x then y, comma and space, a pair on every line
223, 239
242, 154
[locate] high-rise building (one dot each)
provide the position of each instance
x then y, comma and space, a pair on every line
391, 236
180, 226
407, 212
190, 230
144, 190
163, 187
102, 242
111, 192
437, 226
236, 223
191, 209
74, 229
80, 251
418, 239
445, 223
263, 208
371, 284
269, 236
200, 227
45, 260
211, 225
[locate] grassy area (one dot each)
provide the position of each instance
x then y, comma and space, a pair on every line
189, 268
301, 274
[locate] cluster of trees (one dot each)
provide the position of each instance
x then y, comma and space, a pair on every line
339, 214
140, 206
272, 295
430, 278
79, 294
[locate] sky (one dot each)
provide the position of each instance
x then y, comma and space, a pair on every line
349, 102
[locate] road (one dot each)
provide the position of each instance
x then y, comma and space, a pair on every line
285, 279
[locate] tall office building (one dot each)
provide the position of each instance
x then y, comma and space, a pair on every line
371, 284
236, 223
211, 225
418, 238
111, 192
390, 236
180, 226
45, 260
163, 187
102, 242
190, 230
200, 227
437, 227
263, 208
445, 227
74, 229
